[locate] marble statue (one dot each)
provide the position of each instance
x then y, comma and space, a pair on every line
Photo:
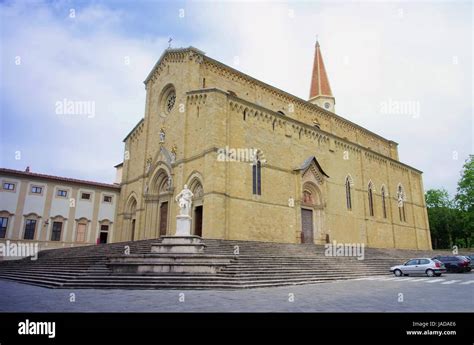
184, 199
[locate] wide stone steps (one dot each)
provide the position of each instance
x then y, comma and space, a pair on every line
315, 262
179, 283
43, 273
284, 270
198, 284
305, 274
46, 277
33, 281
259, 264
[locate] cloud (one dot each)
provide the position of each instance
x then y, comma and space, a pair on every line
373, 52
79, 59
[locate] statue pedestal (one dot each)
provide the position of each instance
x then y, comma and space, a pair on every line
183, 225
179, 245
182, 253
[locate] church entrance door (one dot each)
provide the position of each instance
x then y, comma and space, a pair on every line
163, 218
306, 226
198, 221
133, 230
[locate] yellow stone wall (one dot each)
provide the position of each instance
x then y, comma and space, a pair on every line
218, 107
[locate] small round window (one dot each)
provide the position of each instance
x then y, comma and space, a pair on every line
168, 100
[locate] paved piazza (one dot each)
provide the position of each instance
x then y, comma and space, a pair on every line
449, 293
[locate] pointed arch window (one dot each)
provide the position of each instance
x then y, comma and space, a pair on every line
401, 204
384, 206
371, 200
348, 193
257, 178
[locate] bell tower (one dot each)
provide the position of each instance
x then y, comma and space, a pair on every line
320, 92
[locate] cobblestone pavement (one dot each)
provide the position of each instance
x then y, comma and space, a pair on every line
449, 293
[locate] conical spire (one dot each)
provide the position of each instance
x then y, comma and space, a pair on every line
319, 81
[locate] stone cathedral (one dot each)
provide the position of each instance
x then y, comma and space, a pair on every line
263, 165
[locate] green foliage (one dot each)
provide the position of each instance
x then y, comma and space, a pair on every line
452, 221
465, 193
437, 198
465, 201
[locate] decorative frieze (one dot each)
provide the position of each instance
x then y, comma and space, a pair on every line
136, 133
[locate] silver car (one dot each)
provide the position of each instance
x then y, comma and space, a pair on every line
430, 267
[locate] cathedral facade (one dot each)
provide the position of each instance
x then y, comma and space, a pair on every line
262, 164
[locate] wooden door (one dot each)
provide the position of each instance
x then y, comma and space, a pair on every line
81, 232
103, 237
198, 221
306, 226
133, 230
163, 218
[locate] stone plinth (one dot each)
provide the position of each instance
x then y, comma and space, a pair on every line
179, 244
156, 264
183, 225
173, 255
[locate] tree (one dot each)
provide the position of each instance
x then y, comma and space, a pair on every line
465, 191
452, 221
437, 198
464, 200
440, 216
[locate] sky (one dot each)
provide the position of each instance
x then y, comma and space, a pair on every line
400, 69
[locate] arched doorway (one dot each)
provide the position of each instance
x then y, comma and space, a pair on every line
158, 202
131, 216
310, 213
196, 188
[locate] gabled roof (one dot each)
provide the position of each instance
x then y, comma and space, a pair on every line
133, 129
169, 50
308, 162
258, 82
319, 81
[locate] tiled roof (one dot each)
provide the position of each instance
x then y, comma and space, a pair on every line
259, 82
30, 174
319, 81
308, 161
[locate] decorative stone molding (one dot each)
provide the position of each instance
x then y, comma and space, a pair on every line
197, 99
311, 165
300, 104
372, 157
196, 57
399, 167
136, 132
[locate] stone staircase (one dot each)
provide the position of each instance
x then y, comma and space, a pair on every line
258, 264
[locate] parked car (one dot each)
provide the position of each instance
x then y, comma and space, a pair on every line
469, 261
454, 263
430, 267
